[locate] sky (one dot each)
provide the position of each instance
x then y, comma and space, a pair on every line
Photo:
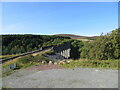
49, 18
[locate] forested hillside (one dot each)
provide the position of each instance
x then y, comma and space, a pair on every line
103, 47
14, 44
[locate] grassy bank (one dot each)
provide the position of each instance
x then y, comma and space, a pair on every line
7, 56
26, 61
106, 64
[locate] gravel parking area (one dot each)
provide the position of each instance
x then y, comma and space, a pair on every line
62, 78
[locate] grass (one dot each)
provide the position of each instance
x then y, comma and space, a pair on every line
7, 73
10, 62
0, 70
7, 56
36, 59
18, 68
26, 61
106, 64
83, 39
7, 88
49, 52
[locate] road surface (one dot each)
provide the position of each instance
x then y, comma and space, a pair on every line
62, 78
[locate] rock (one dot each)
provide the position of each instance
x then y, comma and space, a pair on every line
68, 61
50, 62
55, 63
62, 62
44, 62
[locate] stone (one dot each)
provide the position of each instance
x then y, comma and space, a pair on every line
50, 62
62, 62
62, 49
68, 61
55, 63
44, 62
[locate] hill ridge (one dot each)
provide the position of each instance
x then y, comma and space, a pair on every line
73, 36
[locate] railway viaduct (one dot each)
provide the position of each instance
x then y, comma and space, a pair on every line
63, 50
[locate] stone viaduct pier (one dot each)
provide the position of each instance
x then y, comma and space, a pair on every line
63, 50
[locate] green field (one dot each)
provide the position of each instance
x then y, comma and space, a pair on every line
101, 64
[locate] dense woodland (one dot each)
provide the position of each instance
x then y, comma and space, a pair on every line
103, 47
14, 44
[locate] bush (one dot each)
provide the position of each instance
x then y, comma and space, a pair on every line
26, 59
40, 58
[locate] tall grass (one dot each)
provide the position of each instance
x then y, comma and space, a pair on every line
26, 61
107, 64
7, 56
30, 60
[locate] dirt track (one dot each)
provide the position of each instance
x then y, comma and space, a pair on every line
56, 77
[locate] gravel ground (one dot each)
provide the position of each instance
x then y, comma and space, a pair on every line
62, 78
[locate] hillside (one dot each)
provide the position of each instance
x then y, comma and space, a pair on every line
76, 36
15, 44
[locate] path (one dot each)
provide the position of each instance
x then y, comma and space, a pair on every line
56, 77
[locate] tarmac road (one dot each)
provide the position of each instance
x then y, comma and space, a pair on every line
63, 78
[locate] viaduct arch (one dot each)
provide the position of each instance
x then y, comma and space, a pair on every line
63, 50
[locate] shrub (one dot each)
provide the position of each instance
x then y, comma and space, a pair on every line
25, 59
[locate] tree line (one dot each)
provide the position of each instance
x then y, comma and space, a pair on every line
14, 44
104, 47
